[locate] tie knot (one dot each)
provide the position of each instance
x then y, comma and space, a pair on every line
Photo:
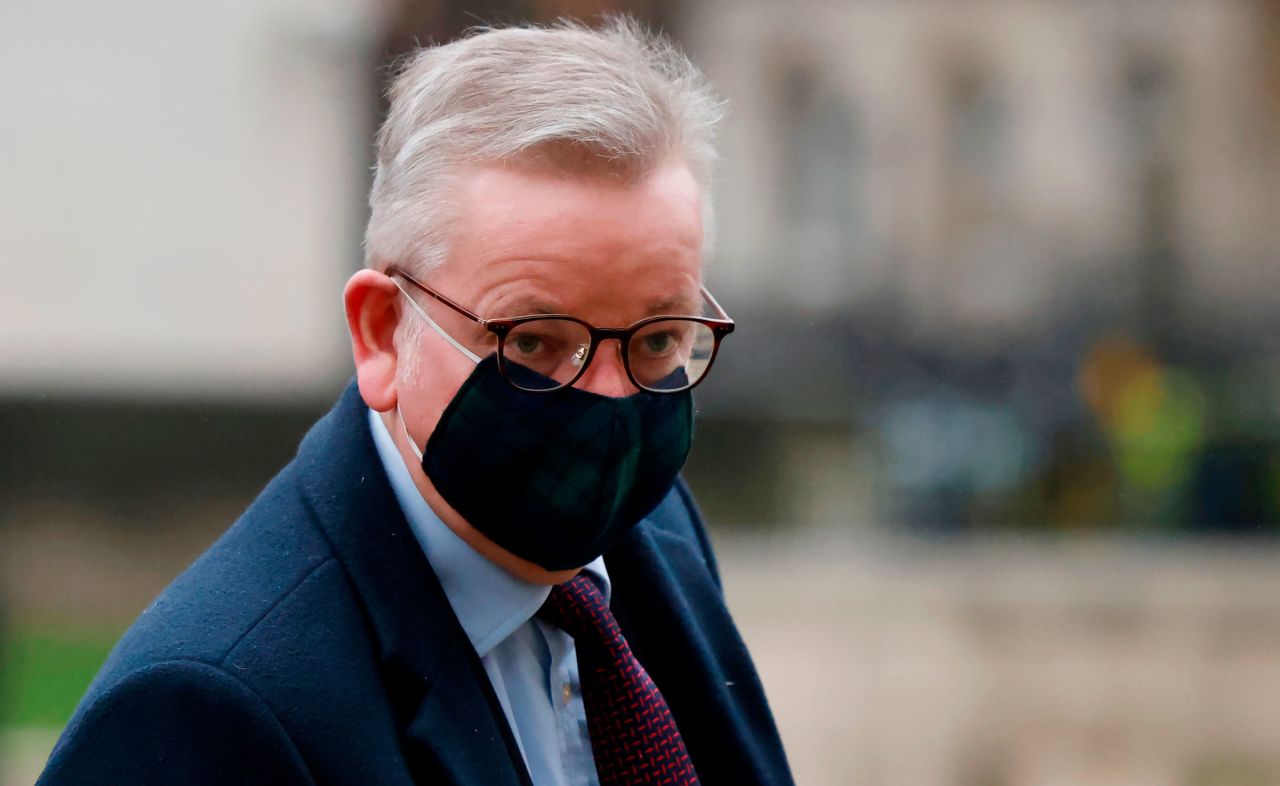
579, 608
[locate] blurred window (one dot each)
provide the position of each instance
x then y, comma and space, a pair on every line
823, 166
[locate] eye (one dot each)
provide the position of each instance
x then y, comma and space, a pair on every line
527, 343
659, 343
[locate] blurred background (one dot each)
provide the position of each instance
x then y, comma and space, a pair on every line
992, 462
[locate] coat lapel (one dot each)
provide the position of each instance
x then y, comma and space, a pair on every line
459, 730
452, 724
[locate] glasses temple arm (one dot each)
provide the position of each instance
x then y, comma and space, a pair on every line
712, 300
395, 271
434, 326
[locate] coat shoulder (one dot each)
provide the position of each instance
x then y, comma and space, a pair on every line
253, 568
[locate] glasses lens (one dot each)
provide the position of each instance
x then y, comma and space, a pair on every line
545, 354
671, 354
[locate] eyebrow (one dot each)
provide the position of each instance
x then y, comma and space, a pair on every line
666, 306
529, 307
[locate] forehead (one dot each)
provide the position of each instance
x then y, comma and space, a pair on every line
547, 241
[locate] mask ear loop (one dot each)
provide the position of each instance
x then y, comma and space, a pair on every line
473, 357
412, 445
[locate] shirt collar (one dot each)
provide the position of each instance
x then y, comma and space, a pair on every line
489, 602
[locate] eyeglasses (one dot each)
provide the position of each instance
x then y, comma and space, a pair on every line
545, 352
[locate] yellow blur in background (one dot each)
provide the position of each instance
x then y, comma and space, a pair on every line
992, 461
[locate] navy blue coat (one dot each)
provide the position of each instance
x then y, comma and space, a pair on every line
312, 644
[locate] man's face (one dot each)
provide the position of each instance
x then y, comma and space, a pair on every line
530, 242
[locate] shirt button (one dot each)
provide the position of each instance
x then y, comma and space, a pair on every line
566, 692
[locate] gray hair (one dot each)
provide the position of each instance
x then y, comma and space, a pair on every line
609, 102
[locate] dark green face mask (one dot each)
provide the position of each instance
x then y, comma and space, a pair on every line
555, 478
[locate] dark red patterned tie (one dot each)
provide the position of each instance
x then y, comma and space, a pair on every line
633, 736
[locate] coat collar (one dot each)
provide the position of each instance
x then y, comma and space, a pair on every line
440, 694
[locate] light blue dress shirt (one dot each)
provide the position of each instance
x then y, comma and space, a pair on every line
532, 664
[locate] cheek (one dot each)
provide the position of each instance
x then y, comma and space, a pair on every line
427, 391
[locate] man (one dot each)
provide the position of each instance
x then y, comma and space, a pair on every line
481, 568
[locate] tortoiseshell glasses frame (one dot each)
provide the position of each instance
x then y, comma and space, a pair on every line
712, 329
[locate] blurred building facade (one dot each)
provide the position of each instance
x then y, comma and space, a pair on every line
985, 168
1021, 252
182, 197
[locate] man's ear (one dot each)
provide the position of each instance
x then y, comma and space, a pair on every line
373, 312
